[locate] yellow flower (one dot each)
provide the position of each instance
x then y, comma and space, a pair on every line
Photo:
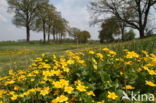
91, 93
94, 66
128, 63
112, 95
129, 87
112, 52
81, 88
139, 70
91, 52
145, 68
81, 62
78, 82
145, 52
68, 89
9, 82
61, 84
153, 61
151, 72
38, 60
99, 55
45, 91
2, 92
60, 99
14, 97
11, 72
94, 61
150, 83
46, 66
70, 61
1, 101
121, 73
16, 87
132, 54
105, 49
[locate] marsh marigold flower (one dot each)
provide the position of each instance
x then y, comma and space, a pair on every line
151, 72
132, 54
68, 89
91, 93
60, 99
112, 95
45, 91
150, 83
81, 88
129, 87
99, 55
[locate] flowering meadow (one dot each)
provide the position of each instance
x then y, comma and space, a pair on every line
89, 76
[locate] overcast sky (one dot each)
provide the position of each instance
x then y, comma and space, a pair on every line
74, 11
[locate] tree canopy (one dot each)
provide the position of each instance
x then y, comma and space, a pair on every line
134, 13
110, 27
25, 13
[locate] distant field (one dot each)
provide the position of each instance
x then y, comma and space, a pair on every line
15, 55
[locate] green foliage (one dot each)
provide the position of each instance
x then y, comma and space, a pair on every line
87, 76
83, 36
24, 13
129, 35
73, 32
79, 36
109, 28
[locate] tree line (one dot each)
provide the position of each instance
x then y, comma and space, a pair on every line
40, 16
117, 16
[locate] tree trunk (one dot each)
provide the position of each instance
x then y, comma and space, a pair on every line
142, 33
44, 33
27, 33
49, 35
54, 34
122, 32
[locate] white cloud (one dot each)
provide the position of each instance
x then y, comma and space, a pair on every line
75, 11
3, 3
3, 11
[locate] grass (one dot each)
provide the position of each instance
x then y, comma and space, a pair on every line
16, 55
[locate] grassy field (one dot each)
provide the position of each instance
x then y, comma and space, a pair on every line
15, 55
90, 73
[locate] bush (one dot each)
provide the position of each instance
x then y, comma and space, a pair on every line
82, 77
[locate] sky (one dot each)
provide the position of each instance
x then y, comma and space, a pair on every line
74, 11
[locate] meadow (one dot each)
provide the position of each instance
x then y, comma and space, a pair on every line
54, 73
19, 55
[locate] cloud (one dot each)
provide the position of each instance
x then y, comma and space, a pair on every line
3, 11
76, 12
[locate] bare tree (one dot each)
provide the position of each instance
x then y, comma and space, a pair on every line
132, 12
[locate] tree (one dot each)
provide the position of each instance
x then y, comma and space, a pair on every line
73, 32
110, 28
130, 35
83, 36
24, 13
51, 15
60, 28
78, 35
41, 19
132, 12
